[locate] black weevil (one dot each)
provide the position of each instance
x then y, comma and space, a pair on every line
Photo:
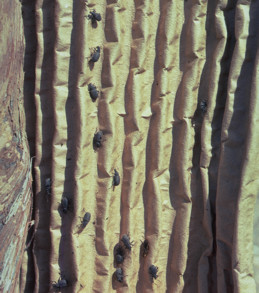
116, 178
64, 204
93, 91
153, 272
86, 220
96, 54
97, 140
119, 274
94, 16
61, 283
126, 241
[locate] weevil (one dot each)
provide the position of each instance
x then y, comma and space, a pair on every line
119, 254
116, 178
119, 258
64, 204
94, 16
86, 220
97, 140
93, 91
203, 106
61, 283
48, 186
126, 241
96, 54
145, 248
153, 272
119, 275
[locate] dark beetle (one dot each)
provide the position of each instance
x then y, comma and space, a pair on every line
93, 91
119, 254
64, 204
61, 283
119, 259
203, 106
97, 141
153, 272
86, 219
145, 248
119, 274
94, 16
48, 186
96, 54
126, 241
116, 178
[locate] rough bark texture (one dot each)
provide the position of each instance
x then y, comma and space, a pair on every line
178, 106
15, 170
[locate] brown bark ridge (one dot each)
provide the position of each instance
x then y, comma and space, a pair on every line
178, 109
15, 167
